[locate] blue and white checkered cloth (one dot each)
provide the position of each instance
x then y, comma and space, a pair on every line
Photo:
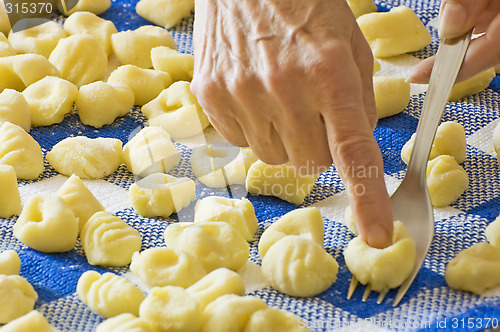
429, 303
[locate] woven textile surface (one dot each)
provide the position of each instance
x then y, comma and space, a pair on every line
429, 303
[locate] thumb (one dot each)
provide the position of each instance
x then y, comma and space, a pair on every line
456, 17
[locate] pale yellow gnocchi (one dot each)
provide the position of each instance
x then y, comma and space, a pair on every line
392, 95
272, 319
385, 268
134, 46
160, 266
108, 294
473, 85
32, 321
305, 222
179, 65
35, 35
150, 151
5, 47
492, 232
10, 199
125, 322
89, 158
171, 308
18, 297
361, 7
50, 99
166, 13
216, 244
20, 71
94, 6
10, 264
160, 195
15, 109
446, 180
47, 224
297, 266
100, 103
108, 240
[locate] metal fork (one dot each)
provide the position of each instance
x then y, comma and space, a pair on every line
411, 203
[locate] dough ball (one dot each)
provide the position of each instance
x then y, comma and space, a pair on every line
134, 46
50, 99
230, 313
146, 84
125, 322
449, 140
80, 59
160, 266
281, 181
172, 309
239, 213
5, 47
395, 32
215, 284
89, 158
10, 199
108, 294
19, 71
180, 66
216, 244
166, 13
91, 24
79, 199
108, 240
385, 268
35, 35
475, 269
221, 164
150, 151
15, 109
305, 222
47, 224
392, 95
94, 6
32, 321
18, 297
100, 103
361, 7
272, 319
492, 232
160, 195
446, 180
10, 264
473, 85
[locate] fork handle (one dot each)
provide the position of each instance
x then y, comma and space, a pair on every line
448, 61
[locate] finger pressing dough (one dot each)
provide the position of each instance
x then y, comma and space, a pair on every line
19, 150
305, 222
172, 309
108, 240
19, 71
79, 199
125, 322
91, 24
297, 266
100, 103
108, 294
215, 284
50, 99
18, 297
5, 47
385, 268
94, 6
239, 213
10, 199
166, 13
150, 151
395, 32
473, 85
446, 180
272, 319
80, 59
160, 195
392, 95
180, 66
216, 244
146, 84
361, 7
449, 140
160, 266
35, 35
32, 321
15, 109
89, 158
492, 232
475, 269
47, 224
10, 264
230, 313
281, 181
134, 46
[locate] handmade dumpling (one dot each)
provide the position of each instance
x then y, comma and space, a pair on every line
94, 6
166, 13
125, 322
36, 35
19, 71
15, 109
446, 180
5, 47
10, 264
179, 65
473, 85
392, 95
10, 199
18, 297
32, 321
273, 319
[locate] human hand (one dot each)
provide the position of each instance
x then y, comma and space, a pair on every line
456, 18
292, 79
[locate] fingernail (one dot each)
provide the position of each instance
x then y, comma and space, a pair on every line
452, 20
379, 237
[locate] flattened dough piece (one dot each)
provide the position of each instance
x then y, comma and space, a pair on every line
473, 85
10, 199
166, 13
18, 297
32, 321
446, 180
492, 232
15, 109
10, 264
89, 158
36, 35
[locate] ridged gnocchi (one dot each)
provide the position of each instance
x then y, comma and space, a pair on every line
124, 323
446, 180
10, 264
108, 240
18, 297
15, 109
108, 294
10, 199
35, 35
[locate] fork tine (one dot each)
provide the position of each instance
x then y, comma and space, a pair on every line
352, 287
382, 296
367, 292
